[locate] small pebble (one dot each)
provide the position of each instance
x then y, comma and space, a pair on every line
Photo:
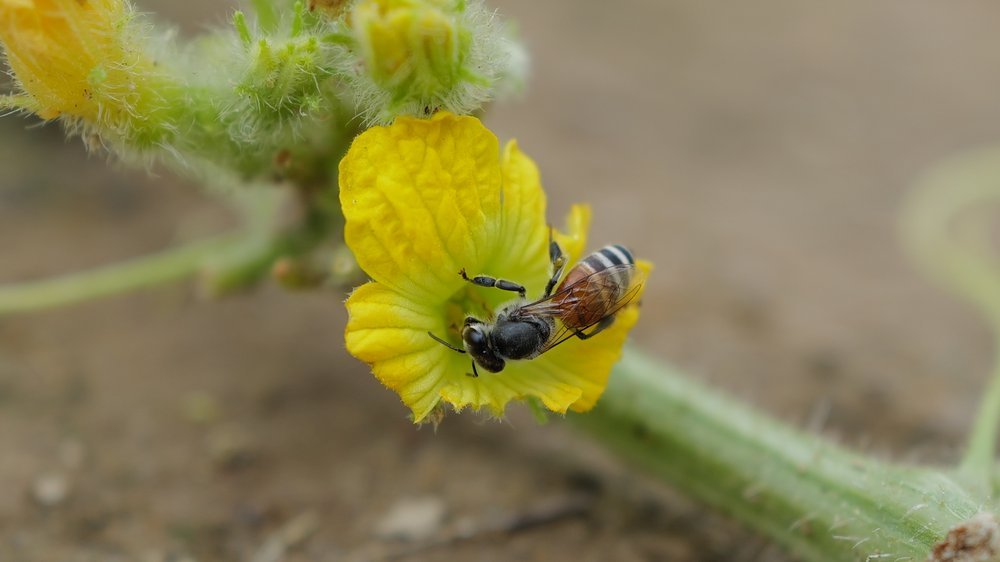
50, 490
412, 519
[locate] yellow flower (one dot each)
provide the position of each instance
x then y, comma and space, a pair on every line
74, 58
424, 199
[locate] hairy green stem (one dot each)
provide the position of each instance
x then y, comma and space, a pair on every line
821, 501
154, 269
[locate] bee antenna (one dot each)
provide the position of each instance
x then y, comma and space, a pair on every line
444, 343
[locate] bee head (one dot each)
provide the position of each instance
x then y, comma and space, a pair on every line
476, 337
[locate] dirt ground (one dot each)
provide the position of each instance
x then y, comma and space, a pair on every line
757, 152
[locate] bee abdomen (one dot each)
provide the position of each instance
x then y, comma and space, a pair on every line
606, 258
612, 255
594, 299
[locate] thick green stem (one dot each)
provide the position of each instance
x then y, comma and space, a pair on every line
822, 502
170, 265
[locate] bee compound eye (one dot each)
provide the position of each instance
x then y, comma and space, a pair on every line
477, 337
474, 336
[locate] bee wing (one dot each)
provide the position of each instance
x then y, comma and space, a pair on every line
582, 291
593, 286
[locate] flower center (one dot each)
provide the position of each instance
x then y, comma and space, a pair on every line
469, 301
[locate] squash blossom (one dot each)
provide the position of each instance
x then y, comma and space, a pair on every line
424, 199
78, 58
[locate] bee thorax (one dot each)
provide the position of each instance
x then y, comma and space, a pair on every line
521, 338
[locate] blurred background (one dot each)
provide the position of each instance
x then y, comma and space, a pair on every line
758, 153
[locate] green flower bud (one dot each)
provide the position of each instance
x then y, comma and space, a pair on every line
414, 44
417, 56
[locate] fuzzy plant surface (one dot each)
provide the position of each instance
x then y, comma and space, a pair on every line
346, 135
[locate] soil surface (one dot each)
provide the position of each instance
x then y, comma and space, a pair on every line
757, 152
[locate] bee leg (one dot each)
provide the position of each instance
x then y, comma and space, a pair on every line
601, 326
446, 344
474, 374
558, 264
487, 281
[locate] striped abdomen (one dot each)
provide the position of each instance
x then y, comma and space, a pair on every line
592, 289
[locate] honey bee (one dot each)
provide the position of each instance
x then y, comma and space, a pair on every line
594, 290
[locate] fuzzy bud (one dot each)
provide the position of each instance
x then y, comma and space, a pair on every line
417, 56
78, 59
416, 44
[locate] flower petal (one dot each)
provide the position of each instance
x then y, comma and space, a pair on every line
421, 199
494, 391
389, 332
524, 231
574, 240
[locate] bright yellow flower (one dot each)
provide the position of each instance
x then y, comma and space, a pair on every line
424, 199
75, 58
